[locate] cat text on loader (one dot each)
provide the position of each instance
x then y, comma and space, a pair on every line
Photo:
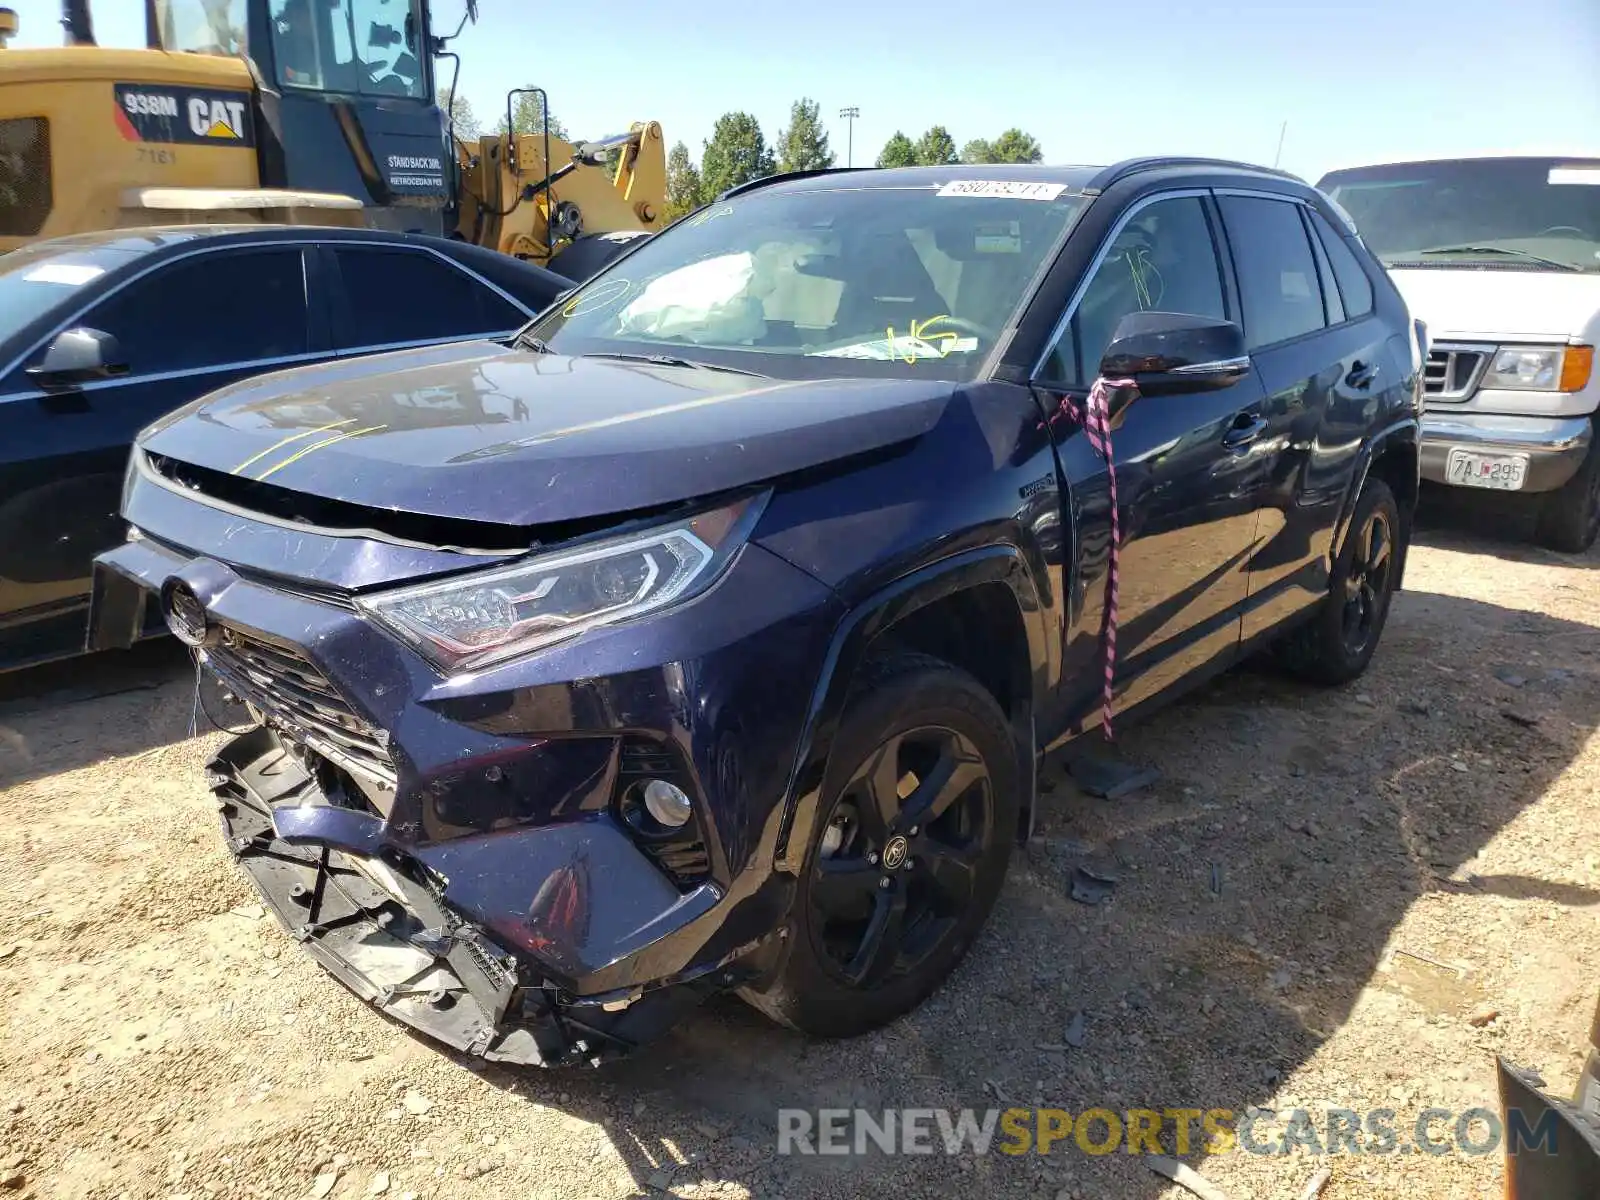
235, 110
318, 112
568, 206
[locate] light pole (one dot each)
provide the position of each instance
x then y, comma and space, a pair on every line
850, 114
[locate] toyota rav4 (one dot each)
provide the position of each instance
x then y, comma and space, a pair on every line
706, 635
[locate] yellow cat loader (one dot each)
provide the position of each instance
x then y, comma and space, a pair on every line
304, 111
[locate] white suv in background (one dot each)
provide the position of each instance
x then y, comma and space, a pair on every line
1500, 257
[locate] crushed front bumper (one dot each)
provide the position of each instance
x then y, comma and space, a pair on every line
1555, 446
497, 801
380, 924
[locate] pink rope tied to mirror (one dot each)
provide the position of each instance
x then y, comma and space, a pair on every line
1095, 417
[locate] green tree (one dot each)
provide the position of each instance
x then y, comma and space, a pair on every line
898, 152
735, 154
683, 183
978, 150
1014, 146
936, 148
528, 115
804, 145
463, 120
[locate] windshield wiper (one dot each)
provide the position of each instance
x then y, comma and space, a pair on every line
1474, 248
670, 360
526, 341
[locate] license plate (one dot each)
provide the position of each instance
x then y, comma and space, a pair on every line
1505, 472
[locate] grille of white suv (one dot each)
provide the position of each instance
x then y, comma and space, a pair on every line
1452, 372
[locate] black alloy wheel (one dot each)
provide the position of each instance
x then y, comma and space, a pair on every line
899, 856
1367, 583
1336, 641
918, 810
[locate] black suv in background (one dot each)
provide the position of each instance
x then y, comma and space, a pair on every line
101, 333
708, 634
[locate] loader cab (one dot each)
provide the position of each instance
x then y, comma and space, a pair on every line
344, 96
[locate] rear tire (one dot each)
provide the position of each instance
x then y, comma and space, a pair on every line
1336, 645
894, 889
1569, 517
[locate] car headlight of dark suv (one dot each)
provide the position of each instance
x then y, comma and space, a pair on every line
483, 618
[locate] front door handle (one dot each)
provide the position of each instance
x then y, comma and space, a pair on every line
1361, 375
1246, 428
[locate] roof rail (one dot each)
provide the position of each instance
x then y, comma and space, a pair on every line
1132, 166
751, 185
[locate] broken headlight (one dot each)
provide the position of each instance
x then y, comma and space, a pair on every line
486, 617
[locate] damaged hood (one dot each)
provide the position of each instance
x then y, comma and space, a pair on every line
478, 432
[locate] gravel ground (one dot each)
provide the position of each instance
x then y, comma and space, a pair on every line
1331, 899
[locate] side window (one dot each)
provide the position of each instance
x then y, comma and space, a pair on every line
411, 296
1277, 275
1333, 305
208, 311
1162, 260
1354, 286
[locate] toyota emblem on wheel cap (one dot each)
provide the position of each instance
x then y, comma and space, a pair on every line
185, 615
895, 853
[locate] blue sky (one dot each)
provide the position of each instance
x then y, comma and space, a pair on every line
1356, 80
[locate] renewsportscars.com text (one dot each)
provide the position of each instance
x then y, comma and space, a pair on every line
1181, 1131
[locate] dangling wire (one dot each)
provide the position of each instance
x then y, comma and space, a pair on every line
194, 704
199, 706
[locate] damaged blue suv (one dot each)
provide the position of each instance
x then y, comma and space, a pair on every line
706, 634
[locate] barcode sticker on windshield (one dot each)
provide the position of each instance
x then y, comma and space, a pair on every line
71, 274
1588, 175
1004, 189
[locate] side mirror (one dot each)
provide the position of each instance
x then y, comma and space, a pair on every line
1169, 353
75, 357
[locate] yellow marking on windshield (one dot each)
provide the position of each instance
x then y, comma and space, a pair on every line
293, 437
711, 214
597, 298
919, 332
338, 437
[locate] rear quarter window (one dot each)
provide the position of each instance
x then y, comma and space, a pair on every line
1355, 288
399, 295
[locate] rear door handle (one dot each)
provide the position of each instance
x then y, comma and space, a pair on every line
1361, 375
1246, 428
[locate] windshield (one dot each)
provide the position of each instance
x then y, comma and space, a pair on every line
365, 47
202, 26
906, 281
1536, 214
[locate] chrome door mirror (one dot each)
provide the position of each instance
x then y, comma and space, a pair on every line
75, 357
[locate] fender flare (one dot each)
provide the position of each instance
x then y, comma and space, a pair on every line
861, 627
1406, 431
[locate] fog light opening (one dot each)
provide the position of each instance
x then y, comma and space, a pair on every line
667, 803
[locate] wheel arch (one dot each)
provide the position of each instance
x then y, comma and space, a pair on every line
1393, 454
932, 610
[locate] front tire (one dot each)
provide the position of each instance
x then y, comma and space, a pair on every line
1569, 517
1336, 645
919, 809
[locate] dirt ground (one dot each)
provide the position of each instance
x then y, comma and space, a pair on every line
1331, 899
